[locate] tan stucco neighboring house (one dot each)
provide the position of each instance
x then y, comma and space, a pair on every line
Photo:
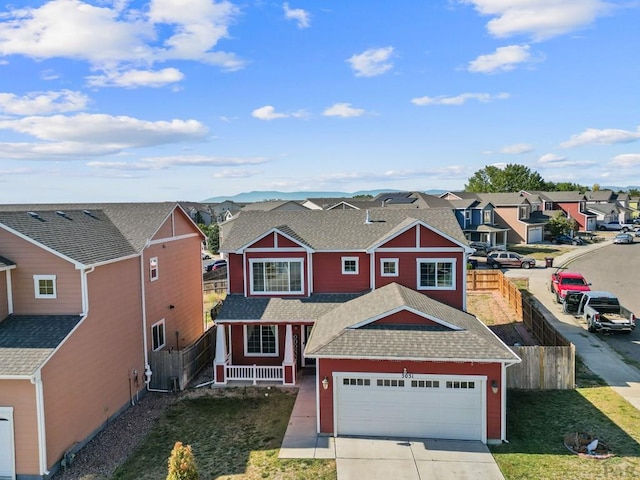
86, 292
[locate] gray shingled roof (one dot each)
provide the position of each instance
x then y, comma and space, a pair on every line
337, 230
110, 231
334, 334
27, 341
5, 263
238, 307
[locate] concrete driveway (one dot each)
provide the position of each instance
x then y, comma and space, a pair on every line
413, 459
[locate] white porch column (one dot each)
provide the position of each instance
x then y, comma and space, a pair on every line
289, 362
221, 356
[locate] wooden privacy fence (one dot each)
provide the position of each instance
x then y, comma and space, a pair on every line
548, 366
217, 286
174, 369
543, 368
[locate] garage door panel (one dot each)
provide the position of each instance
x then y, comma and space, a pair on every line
440, 411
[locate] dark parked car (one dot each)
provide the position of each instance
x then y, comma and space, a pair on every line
567, 240
509, 259
483, 248
217, 265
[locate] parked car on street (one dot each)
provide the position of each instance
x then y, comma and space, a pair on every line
216, 265
564, 281
615, 226
567, 240
623, 238
483, 248
601, 310
500, 259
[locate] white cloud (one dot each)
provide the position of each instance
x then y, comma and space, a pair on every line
107, 37
372, 62
517, 148
344, 110
42, 103
626, 160
136, 78
163, 163
549, 159
85, 135
269, 113
604, 136
539, 19
239, 173
298, 14
502, 60
458, 99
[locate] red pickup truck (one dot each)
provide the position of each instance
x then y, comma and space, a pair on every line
562, 282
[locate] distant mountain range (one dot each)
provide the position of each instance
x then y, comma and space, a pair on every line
259, 196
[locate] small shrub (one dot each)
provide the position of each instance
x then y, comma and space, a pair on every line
182, 464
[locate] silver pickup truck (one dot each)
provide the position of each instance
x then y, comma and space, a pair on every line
601, 310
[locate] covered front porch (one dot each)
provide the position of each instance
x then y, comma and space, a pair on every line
274, 367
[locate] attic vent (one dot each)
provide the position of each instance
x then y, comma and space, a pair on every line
61, 213
34, 214
89, 213
367, 219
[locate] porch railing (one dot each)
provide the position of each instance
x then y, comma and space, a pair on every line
254, 373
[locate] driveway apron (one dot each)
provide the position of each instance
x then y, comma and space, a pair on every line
413, 459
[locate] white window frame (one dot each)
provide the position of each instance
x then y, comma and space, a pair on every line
393, 261
436, 261
36, 283
252, 261
523, 212
467, 214
156, 326
489, 214
153, 268
246, 341
350, 259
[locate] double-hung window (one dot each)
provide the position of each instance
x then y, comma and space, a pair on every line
45, 286
157, 335
487, 217
153, 268
276, 276
261, 340
436, 274
389, 267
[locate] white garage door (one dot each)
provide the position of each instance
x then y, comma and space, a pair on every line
6, 444
424, 406
535, 235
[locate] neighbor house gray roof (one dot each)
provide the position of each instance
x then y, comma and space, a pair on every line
27, 341
338, 230
88, 233
269, 205
279, 310
5, 263
461, 336
562, 196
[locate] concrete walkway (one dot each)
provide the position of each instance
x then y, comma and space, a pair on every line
383, 458
597, 355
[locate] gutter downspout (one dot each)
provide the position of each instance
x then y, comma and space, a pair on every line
42, 442
147, 368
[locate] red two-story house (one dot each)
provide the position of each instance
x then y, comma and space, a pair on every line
86, 292
376, 300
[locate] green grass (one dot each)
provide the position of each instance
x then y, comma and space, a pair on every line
537, 422
539, 252
237, 436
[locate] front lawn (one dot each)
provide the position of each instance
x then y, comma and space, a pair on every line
538, 420
235, 434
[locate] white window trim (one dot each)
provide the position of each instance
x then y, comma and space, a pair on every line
263, 260
347, 259
452, 261
151, 269
164, 334
485, 214
36, 284
389, 260
246, 342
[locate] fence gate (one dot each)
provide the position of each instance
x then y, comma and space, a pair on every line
173, 370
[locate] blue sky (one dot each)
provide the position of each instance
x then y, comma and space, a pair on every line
116, 100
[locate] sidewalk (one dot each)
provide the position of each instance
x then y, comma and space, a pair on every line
594, 352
